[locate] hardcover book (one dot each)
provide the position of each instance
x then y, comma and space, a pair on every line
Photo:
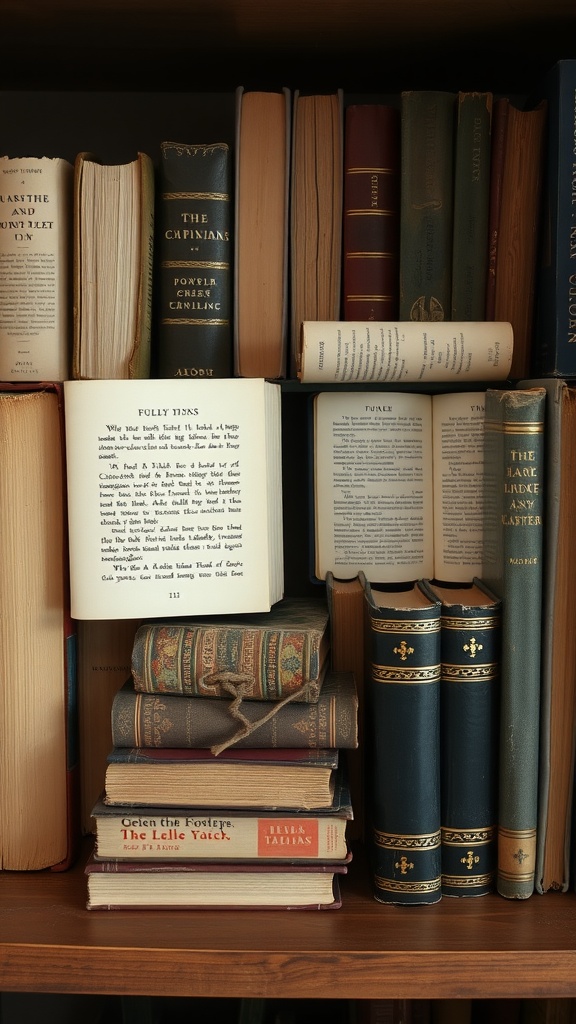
469, 700
426, 204
398, 484
558, 688
390, 352
39, 768
403, 698
263, 145
519, 228
277, 654
264, 779
36, 198
117, 884
472, 151
130, 832
499, 131
194, 331
113, 252
173, 720
555, 334
174, 497
315, 211
371, 227
514, 493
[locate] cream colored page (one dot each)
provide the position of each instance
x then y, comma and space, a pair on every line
404, 352
35, 252
167, 497
373, 485
458, 431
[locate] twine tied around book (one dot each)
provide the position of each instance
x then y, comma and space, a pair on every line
237, 687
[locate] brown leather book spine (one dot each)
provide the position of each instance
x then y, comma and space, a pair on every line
371, 212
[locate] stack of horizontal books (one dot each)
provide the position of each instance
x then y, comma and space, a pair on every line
225, 786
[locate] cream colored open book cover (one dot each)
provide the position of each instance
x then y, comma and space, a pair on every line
398, 485
175, 497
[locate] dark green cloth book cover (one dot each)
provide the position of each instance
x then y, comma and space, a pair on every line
471, 205
403, 703
513, 569
426, 204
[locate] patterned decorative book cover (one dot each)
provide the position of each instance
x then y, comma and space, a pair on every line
403, 702
262, 656
171, 720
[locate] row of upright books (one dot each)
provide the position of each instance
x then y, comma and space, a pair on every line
227, 785
206, 258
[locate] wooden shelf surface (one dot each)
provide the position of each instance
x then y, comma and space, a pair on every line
484, 947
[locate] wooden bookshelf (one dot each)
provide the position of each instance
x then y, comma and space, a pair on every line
483, 948
57, 57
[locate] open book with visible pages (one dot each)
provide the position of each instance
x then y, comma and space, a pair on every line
174, 497
398, 483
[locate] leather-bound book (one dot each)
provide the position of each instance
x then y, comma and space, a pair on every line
371, 240
194, 240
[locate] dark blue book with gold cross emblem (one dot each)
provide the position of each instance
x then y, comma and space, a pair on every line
403, 775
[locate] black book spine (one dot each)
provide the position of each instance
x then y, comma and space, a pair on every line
194, 333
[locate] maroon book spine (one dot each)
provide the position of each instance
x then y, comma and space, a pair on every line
371, 212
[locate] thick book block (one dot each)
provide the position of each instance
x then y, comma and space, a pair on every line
174, 497
115, 885
403, 700
554, 351
113, 253
171, 720
513, 570
36, 196
280, 653
426, 204
194, 241
315, 212
371, 226
39, 768
265, 778
469, 720
262, 190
